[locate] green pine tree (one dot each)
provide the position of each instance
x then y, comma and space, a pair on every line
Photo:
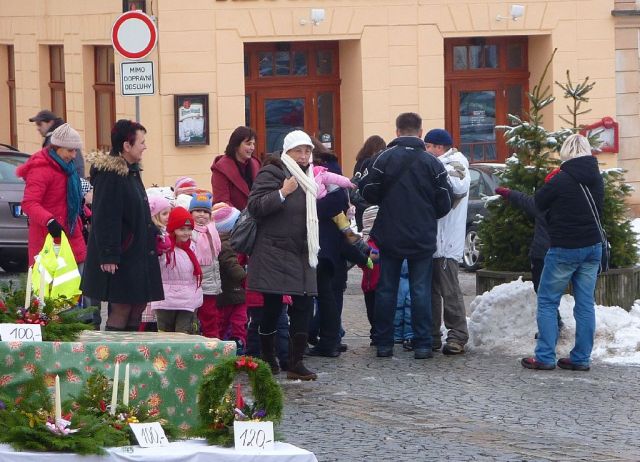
506, 233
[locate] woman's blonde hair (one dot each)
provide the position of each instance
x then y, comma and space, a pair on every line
575, 146
156, 221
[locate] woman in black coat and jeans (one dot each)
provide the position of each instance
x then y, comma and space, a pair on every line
122, 266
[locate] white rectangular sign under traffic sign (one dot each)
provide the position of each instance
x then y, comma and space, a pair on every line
136, 78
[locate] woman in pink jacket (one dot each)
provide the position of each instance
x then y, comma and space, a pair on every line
181, 277
52, 195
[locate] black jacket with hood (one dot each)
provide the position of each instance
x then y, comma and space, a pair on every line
571, 223
411, 199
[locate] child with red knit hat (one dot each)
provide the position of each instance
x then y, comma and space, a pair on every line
181, 277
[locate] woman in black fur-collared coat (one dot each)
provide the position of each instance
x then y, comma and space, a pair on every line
122, 266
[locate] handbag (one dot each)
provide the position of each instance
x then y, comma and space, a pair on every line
243, 234
606, 247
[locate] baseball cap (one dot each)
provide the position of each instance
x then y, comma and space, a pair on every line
43, 116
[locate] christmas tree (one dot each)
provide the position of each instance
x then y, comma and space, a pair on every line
506, 233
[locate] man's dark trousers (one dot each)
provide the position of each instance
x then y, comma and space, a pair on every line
386, 297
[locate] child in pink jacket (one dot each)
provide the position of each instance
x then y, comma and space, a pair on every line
181, 277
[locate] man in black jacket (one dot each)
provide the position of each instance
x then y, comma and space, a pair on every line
412, 190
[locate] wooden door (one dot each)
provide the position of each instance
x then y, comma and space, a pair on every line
292, 86
485, 80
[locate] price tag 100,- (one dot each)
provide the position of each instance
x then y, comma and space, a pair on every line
253, 436
20, 333
149, 435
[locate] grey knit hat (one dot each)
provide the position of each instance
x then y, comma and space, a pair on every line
66, 137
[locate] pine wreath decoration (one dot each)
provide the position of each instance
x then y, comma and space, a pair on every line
27, 424
219, 406
58, 318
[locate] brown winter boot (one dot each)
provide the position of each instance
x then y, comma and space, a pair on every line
268, 351
297, 369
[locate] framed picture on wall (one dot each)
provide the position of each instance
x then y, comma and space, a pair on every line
192, 120
133, 5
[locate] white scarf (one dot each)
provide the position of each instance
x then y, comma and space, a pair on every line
308, 184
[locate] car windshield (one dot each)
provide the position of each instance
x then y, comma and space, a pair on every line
8, 165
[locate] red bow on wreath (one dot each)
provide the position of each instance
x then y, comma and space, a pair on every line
245, 361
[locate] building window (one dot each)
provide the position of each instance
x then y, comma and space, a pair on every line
56, 81
11, 82
104, 88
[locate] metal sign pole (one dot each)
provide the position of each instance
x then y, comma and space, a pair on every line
138, 109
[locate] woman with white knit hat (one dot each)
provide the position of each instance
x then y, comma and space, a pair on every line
285, 254
52, 194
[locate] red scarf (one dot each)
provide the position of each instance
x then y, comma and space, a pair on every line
186, 246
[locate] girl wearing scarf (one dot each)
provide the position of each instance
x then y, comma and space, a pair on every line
285, 253
52, 194
181, 277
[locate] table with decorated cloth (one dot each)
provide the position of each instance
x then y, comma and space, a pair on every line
181, 451
165, 368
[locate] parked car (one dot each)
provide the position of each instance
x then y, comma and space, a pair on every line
484, 180
13, 222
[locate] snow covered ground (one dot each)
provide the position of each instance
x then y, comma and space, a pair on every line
504, 320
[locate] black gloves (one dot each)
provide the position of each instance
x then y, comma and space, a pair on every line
54, 228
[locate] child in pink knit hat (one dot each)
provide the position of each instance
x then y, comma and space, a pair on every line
231, 308
160, 208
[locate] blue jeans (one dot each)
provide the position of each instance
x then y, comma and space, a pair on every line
387, 296
561, 266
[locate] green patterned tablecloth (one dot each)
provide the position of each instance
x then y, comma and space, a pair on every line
165, 368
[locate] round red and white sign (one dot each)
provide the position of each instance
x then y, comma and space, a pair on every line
134, 35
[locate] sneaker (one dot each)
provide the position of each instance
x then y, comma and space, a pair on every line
422, 353
407, 345
565, 363
451, 349
436, 347
384, 352
533, 363
343, 347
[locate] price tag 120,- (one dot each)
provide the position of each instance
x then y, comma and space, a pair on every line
253, 436
20, 333
149, 435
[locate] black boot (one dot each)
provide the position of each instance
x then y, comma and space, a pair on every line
115, 329
268, 351
297, 369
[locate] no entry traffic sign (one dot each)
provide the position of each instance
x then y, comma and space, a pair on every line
134, 35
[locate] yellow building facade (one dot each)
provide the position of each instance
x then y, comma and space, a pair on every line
342, 69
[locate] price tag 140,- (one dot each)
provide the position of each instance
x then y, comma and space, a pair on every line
149, 435
20, 333
253, 436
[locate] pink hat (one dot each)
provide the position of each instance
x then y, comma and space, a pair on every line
225, 217
185, 182
157, 204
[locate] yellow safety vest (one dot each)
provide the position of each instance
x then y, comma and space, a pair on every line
61, 275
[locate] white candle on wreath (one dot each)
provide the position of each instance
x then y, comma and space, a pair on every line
114, 393
125, 393
27, 289
42, 283
57, 402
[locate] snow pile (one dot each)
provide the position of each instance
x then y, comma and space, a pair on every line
504, 320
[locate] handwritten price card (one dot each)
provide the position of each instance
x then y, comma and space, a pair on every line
253, 436
20, 333
149, 435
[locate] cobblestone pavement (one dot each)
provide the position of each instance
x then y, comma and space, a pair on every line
466, 408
